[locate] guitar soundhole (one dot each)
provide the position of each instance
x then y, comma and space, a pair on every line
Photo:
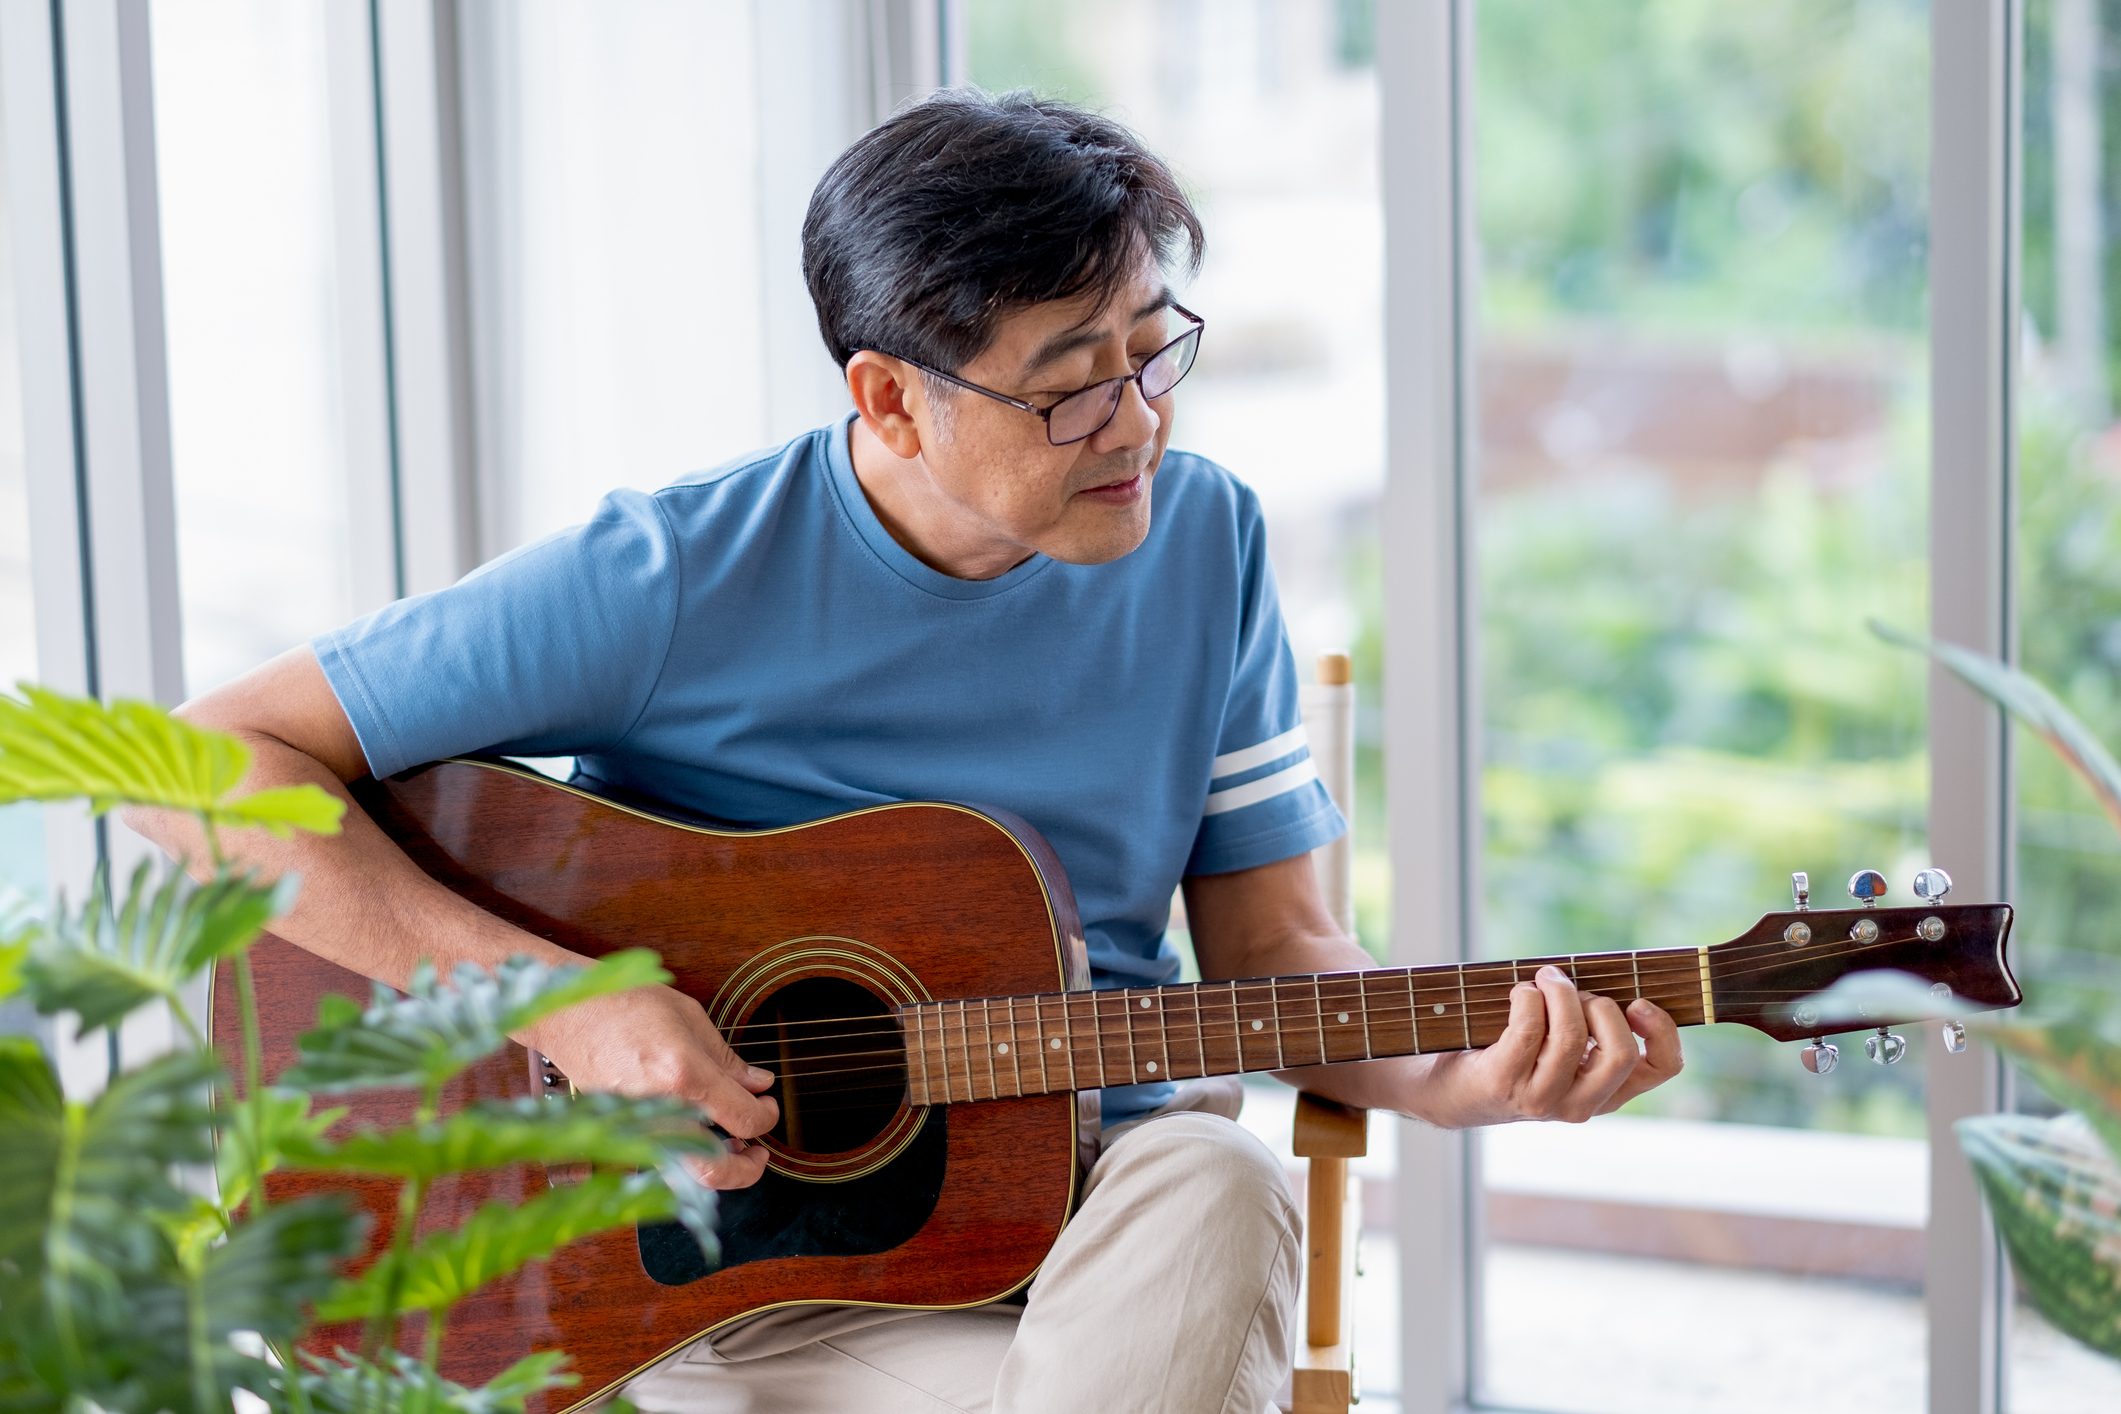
839, 1064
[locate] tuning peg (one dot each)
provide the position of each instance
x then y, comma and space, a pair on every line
1867, 885
1885, 1048
1801, 889
1821, 1056
1954, 1036
1932, 884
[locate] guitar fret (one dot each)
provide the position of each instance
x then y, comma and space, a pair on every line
1217, 1029
986, 1030
1038, 1029
1133, 1070
1636, 968
1068, 1035
1318, 1009
964, 1022
1199, 1034
920, 1047
1016, 1050
1465, 1018
1163, 1035
1413, 1012
1274, 1004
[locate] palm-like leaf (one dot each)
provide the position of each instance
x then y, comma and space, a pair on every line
348, 1385
262, 1133
81, 1187
500, 1238
426, 1037
102, 964
2025, 698
55, 747
608, 1130
182, 1326
2057, 1201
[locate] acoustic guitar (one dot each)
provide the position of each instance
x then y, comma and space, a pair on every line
914, 975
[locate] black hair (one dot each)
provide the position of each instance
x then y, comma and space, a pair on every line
967, 206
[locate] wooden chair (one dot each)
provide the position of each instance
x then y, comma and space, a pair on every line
1328, 1134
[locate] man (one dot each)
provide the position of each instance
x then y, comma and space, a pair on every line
990, 582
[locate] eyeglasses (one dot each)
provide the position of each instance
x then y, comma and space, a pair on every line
1085, 412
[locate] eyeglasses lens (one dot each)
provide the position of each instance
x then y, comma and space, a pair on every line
1082, 414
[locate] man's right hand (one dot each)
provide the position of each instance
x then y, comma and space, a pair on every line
657, 1041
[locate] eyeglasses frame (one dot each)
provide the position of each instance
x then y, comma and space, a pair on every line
1045, 414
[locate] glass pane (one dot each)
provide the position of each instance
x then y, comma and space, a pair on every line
614, 214
242, 136
1701, 461
2068, 942
22, 867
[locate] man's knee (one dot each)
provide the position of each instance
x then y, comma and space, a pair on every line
1205, 1163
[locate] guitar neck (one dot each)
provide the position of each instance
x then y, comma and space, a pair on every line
997, 1047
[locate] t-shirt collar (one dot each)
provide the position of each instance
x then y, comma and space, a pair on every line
855, 502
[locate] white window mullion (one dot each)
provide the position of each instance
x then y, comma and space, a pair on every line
1424, 74
1974, 71
34, 203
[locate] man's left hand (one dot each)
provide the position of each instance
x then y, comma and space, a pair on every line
1565, 1055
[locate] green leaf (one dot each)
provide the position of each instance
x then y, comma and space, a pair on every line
349, 1385
2027, 699
55, 747
608, 1130
2057, 1202
286, 1128
272, 1266
501, 1237
82, 1187
2075, 1065
426, 1037
103, 965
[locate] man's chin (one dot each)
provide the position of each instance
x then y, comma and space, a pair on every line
1114, 533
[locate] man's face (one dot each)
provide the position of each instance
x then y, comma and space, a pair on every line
1084, 503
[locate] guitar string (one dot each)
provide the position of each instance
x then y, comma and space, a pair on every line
1483, 1012
1107, 1000
1681, 964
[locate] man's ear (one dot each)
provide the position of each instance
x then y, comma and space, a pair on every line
881, 387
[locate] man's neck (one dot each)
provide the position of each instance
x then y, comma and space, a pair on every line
926, 525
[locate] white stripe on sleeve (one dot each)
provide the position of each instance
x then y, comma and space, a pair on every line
1235, 761
1265, 788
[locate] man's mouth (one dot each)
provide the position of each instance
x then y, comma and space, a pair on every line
1123, 490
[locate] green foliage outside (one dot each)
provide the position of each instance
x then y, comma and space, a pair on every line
122, 1286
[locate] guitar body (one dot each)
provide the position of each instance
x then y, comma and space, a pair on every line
868, 1200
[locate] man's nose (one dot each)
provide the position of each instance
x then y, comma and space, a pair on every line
1134, 424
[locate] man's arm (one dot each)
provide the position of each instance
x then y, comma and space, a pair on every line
1272, 920
366, 906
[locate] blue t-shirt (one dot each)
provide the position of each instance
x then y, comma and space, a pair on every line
751, 645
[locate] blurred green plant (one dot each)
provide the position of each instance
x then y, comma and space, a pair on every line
2054, 1182
120, 1286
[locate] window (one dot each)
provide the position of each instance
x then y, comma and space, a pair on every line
2068, 567
1701, 467
615, 251
22, 868
258, 434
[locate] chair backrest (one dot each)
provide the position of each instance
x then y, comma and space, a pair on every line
1329, 720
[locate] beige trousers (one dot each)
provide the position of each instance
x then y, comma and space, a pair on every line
1172, 1289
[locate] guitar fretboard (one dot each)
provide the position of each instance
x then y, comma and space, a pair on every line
999, 1047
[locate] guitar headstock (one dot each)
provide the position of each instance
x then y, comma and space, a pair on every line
1766, 977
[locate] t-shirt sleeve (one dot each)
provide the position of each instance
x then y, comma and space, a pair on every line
551, 650
1265, 801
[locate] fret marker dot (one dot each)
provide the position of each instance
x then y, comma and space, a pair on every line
1145, 1003
1438, 1008
1055, 1043
1003, 1048
1257, 1025
1343, 1016
1152, 1067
